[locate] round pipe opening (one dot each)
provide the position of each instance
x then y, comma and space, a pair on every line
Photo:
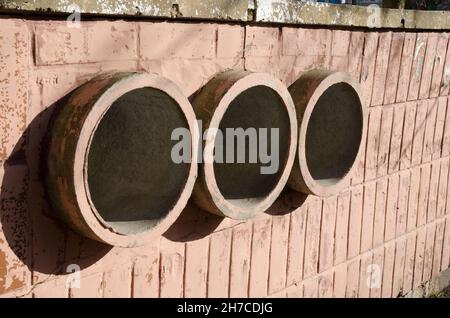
133, 182
110, 174
332, 125
334, 134
253, 143
260, 112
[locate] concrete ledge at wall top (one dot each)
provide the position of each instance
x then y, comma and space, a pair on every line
271, 11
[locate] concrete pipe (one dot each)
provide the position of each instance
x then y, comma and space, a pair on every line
257, 109
332, 125
109, 173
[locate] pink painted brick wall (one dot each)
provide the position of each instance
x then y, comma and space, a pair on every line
392, 221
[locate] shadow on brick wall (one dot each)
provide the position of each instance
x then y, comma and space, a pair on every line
45, 245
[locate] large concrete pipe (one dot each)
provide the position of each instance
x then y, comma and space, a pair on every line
251, 102
109, 171
332, 125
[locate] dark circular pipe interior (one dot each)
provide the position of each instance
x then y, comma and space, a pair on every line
132, 179
334, 134
254, 109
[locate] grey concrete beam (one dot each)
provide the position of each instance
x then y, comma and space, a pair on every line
267, 11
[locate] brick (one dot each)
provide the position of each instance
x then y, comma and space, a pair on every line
427, 73
340, 281
172, 269
368, 216
269, 65
439, 62
295, 291
405, 66
342, 220
403, 197
230, 41
358, 175
377, 273
296, 248
399, 267
355, 223
261, 41
319, 42
394, 68
288, 73
326, 285
438, 246
373, 139
14, 96
446, 245
446, 135
442, 189
312, 238
58, 44
381, 68
311, 288
380, 212
278, 253
352, 279
391, 207
408, 134
413, 200
146, 275
164, 40
310, 62
388, 270
356, 52
240, 260
433, 191
259, 274
203, 69
409, 263
425, 176
196, 268
417, 66
419, 132
428, 255
365, 278
219, 264
91, 286
385, 140
418, 262
55, 288
111, 41
428, 142
439, 128
368, 66
49, 241
117, 282
444, 90
327, 234
340, 49
396, 138
447, 205
15, 230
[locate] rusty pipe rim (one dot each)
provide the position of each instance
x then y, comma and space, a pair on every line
230, 85
86, 217
307, 92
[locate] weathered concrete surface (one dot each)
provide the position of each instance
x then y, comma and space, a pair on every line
218, 9
272, 11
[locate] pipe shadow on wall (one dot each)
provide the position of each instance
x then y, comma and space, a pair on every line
42, 243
